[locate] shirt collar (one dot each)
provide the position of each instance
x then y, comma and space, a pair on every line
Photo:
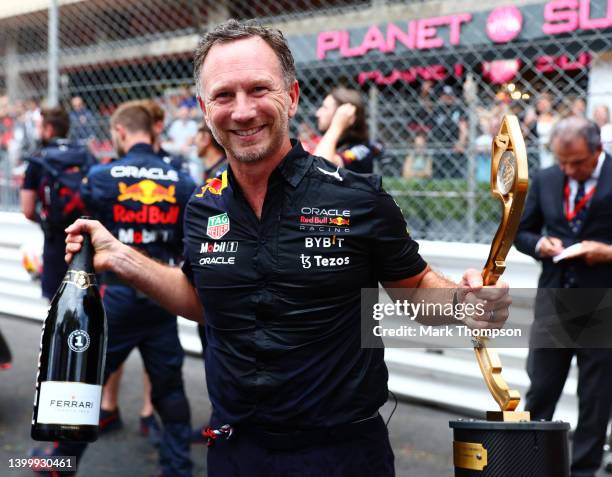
295, 164
600, 161
140, 148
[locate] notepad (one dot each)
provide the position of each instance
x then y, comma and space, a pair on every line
569, 252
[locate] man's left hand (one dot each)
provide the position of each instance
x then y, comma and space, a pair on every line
494, 300
595, 253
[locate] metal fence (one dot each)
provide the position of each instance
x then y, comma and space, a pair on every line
437, 77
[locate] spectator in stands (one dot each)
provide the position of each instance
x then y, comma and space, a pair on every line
449, 134
578, 108
158, 115
31, 124
421, 114
190, 101
82, 122
601, 116
418, 162
541, 122
345, 141
483, 149
181, 134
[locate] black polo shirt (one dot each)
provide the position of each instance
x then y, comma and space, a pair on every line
282, 294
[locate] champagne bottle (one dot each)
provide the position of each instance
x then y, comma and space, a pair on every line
71, 359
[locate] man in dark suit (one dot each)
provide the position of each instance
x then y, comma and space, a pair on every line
571, 203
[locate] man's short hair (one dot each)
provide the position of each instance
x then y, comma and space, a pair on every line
233, 30
155, 110
58, 119
203, 128
134, 117
574, 127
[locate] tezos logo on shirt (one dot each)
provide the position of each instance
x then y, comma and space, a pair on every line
319, 261
218, 226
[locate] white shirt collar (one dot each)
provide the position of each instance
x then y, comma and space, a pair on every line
600, 161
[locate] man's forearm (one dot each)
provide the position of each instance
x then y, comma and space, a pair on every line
431, 287
328, 144
435, 288
164, 284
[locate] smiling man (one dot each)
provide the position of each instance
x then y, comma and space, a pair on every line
277, 251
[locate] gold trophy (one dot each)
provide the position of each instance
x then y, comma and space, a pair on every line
507, 443
509, 182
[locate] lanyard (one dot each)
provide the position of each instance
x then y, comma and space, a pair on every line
581, 203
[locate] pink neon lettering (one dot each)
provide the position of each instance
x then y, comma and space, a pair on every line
587, 23
395, 33
326, 41
455, 27
427, 34
345, 50
373, 40
560, 16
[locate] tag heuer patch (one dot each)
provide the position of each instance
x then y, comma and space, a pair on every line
218, 226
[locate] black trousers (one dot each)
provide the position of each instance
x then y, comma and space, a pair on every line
548, 369
246, 454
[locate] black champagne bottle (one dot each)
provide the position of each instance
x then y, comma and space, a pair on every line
71, 359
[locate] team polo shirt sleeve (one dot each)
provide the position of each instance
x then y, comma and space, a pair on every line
187, 270
31, 180
396, 254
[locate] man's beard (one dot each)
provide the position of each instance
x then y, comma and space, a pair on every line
256, 155
118, 148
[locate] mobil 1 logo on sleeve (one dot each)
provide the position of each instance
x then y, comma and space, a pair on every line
78, 341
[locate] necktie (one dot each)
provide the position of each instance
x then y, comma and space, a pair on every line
576, 222
569, 274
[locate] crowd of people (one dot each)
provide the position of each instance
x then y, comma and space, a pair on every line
437, 134
439, 130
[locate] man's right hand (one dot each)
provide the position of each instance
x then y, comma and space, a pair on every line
106, 246
550, 246
344, 117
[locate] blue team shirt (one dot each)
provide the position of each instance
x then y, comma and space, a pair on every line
141, 199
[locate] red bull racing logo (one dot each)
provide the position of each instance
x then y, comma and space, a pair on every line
215, 186
339, 221
147, 192
317, 219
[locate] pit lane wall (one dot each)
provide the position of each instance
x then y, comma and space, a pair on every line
449, 379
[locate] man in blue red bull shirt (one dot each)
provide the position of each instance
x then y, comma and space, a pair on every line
52, 180
276, 255
141, 200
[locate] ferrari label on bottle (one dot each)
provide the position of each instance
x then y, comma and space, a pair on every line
69, 403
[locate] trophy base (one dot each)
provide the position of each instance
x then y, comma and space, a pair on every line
502, 449
508, 416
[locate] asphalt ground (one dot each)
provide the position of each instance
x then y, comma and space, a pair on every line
420, 436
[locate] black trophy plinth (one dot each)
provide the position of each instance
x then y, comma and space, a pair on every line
510, 449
